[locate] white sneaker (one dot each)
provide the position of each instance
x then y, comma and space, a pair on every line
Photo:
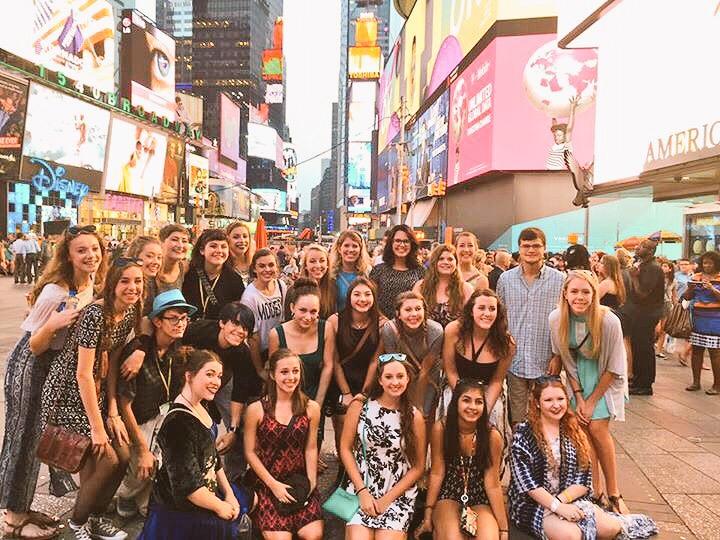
104, 529
80, 532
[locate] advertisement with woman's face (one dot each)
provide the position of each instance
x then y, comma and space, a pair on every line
136, 159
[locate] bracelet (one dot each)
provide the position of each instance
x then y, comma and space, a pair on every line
430, 506
578, 391
554, 505
113, 416
347, 393
360, 490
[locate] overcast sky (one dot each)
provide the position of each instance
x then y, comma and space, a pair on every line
312, 52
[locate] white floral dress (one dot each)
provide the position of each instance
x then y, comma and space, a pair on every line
384, 465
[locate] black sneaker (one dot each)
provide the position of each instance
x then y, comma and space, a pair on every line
80, 532
104, 529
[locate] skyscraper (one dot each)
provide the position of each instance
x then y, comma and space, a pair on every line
350, 11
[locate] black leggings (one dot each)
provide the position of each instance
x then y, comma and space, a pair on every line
100, 478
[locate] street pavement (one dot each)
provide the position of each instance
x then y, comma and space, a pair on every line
668, 449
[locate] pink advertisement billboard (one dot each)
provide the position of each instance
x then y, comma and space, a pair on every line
519, 106
229, 129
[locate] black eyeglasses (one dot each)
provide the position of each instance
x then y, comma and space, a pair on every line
122, 262
75, 230
175, 321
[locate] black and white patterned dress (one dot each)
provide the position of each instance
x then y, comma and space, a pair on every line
384, 465
391, 283
61, 384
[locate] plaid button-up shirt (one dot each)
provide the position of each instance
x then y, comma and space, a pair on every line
528, 306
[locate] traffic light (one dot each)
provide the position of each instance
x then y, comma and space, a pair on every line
436, 189
405, 174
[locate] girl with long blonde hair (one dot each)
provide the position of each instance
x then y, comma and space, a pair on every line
444, 290
588, 338
316, 265
148, 249
348, 259
242, 248
467, 247
552, 474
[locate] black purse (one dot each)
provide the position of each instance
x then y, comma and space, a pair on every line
300, 491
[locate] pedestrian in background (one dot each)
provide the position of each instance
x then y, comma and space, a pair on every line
704, 291
400, 269
501, 264
643, 309
32, 257
529, 292
19, 249
670, 298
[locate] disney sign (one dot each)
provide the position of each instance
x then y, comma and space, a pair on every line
53, 179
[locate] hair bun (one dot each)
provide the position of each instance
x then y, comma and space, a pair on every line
305, 282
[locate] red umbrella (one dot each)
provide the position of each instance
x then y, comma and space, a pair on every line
261, 238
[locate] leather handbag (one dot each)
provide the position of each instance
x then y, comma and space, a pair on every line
678, 323
63, 449
299, 489
341, 503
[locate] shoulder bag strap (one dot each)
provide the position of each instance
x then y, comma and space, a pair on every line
358, 346
362, 444
208, 290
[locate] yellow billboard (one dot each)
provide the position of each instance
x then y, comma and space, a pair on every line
364, 63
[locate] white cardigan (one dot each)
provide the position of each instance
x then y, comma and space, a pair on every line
612, 358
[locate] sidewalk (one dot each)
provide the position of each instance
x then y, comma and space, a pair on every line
668, 450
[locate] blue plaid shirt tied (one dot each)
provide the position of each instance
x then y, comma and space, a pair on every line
529, 472
528, 306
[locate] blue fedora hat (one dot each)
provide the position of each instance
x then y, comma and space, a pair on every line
171, 299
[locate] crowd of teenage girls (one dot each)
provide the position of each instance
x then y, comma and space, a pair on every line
203, 382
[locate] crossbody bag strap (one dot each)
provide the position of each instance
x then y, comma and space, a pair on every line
358, 346
362, 444
409, 352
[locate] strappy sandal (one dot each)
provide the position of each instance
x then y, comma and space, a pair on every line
615, 503
16, 531
603, 502
693, 388
712, 391
40, 518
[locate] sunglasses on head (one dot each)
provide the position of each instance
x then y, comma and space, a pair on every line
75, 230
391, 357
122, 262
547, 379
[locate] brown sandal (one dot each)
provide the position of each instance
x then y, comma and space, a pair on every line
16, 531
615, 503
44, 520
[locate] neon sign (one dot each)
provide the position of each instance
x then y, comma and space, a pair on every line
51, 179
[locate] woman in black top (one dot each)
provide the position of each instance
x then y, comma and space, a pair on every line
465, 472
192, 497
357, 344
400, 269
210, 282
479, 346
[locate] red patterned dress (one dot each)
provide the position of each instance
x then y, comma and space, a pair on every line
283, 453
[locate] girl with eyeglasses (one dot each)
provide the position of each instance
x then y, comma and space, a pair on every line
242, 249
210, 282
552, 475
281, 449
443, 288
63, 290
192, 496
307, 335
400, 269
465, 455
80, 395
349, 260
588, 338
421, 340
383, 451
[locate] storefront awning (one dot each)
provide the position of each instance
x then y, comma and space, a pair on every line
419, 212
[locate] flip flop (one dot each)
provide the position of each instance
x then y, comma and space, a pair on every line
712, 392
16, 531
693, 388
40, 518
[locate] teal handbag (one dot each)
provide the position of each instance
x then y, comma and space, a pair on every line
340, 503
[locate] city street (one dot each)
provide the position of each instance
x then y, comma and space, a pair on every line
668, 450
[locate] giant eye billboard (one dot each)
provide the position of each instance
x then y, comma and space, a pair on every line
75, 37
148, 66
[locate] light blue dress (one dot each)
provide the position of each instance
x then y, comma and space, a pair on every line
587, 368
